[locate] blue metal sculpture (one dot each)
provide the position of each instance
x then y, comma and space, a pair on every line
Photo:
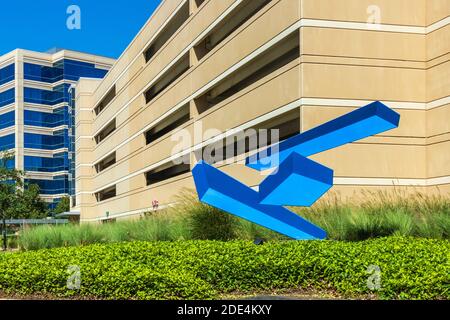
298, 181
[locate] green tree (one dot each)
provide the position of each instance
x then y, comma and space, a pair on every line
16, 199
29, 204
10, 180
62, 206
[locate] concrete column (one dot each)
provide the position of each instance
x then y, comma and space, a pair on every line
19, 114
84, 146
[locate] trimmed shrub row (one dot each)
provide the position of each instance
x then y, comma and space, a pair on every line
411, 268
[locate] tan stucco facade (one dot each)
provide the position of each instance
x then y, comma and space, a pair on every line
350, 53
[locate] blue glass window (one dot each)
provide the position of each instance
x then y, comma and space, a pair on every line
41, 164
59, 185
46, 142
7, 142
52, 205
7, 74
47, 120
11, 163
42, 73
63, 69
7, 97
45, 97
7, 120
73, 70
63, 90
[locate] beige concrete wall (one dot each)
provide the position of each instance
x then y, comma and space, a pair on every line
344, 63
84, 144
438, 92
437, 10
399, 12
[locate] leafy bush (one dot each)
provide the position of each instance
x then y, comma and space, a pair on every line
411, 268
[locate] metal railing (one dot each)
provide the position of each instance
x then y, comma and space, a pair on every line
23, 222
36, 221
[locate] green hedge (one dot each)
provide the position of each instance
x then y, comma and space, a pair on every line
411, 268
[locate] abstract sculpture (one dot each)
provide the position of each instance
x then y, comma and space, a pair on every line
298, 181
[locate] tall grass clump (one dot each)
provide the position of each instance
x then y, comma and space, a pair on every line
381, 213
371, 215
204, 222
208, 223
156, 227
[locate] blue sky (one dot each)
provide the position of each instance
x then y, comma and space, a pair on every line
107, 26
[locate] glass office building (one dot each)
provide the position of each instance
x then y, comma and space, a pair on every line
37, 114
